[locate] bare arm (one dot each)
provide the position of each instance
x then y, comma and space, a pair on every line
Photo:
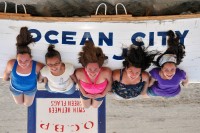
39, 66
73, 77
116, 75
42, 79
145, 77
151, 82
6, 75
185, 82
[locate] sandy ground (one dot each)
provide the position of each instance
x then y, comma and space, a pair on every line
155, 115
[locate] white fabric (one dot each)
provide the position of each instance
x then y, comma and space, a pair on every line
167, 58
60, 83
21, 74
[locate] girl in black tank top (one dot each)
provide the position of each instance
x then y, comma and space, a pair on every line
127, 91
133, 80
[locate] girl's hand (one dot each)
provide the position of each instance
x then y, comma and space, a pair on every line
91, 96
185, 84
144, 95
98, 96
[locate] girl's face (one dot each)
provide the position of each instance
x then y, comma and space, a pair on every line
24, 60
133, 72
168, 70
54, 64
92, 69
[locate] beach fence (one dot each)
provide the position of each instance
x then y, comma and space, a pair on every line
61, 113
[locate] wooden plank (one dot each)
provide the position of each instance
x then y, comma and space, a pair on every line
15, 14
97, 18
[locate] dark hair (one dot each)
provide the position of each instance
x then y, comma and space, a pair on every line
139, 57
23, 40
174, 47
91, 54
51, 52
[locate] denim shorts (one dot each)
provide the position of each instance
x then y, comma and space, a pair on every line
71, 91
19, 92
86, 98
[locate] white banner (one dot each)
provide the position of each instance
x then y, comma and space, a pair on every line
70, 36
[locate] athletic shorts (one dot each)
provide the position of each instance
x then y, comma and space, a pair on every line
19, 92
71, 91
86, 98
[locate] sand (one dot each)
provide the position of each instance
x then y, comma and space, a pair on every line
153, 115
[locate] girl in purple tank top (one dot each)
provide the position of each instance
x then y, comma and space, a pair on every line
94, 81
166, 78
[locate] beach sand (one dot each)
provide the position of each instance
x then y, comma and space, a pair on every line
153, 115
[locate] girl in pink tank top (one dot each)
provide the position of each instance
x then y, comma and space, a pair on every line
93, 88
94, 80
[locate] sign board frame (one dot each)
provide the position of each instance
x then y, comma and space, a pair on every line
31, 127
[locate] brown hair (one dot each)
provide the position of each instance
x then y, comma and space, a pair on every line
91, 54
174, 47
23, 40
51, 52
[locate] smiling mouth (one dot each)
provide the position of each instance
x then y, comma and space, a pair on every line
132, 77
170, 76
93, 75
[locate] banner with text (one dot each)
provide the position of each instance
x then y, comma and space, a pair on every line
69, 37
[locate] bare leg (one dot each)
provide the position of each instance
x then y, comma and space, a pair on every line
86, 103
96, 104
28, 100
18, 99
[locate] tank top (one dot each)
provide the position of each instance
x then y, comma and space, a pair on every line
127, 91
93, 88
24, 83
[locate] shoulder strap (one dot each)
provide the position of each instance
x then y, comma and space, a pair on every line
34, 67
87, 76
14, 69
141, 76
97, 76
121, 74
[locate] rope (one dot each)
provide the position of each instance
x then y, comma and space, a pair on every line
16, 8
99, 6
23, 7
122, 6
5, 7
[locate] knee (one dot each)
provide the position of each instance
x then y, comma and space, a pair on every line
19, 102
27, 104
86, 106
95, 106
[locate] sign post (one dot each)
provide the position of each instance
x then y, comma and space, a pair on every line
61, 113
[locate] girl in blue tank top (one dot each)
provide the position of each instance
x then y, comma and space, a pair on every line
132, 80
22, 71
